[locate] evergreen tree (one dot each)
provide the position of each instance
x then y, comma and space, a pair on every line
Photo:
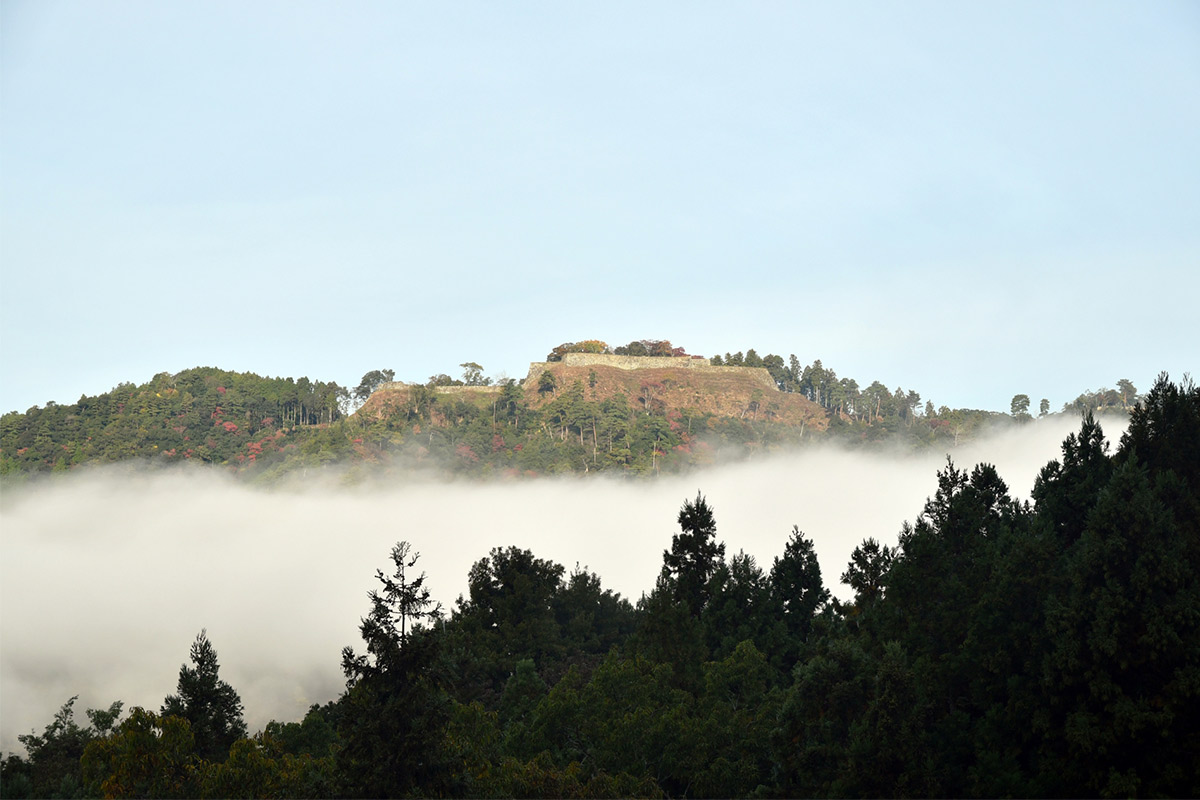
1066, 491
867, 572
694, 555
210, 705
395, 710
797, 594
739, 606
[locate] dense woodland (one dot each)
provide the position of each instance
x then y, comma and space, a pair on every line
266, 428
1003, 648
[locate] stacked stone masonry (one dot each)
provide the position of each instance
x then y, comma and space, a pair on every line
758, 374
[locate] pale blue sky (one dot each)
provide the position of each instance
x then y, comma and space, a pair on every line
970, 200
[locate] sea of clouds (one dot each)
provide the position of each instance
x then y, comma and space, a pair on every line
107, 577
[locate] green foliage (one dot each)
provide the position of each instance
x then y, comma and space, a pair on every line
738, 606
148, 756
395, 711
210, 705
1104, 401
519, 608
267, 428
316, 735
473, 375
370, 382
867, 572
1002, 649
201, 415
586, 346
694, 556
797, 594
650, 347
259, 767
53, 765
1019, 407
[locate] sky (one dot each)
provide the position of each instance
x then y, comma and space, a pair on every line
969, 200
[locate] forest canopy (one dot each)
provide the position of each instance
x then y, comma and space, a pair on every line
1002, 648
569, 420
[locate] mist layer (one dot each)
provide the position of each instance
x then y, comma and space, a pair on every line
106, 579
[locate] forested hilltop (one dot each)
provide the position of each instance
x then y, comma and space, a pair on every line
1002, 649
566, 418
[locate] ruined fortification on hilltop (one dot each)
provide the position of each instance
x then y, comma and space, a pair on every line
678, 383
757, 374
397, 385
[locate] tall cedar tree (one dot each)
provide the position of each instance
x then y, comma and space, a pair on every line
694, 555
209, 704
396, 708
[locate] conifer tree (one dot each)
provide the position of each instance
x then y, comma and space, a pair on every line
209, 704
395, 708
694, 555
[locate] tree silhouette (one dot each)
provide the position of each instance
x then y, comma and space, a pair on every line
694, 555
209, 704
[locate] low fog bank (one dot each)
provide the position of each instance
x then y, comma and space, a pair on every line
105, 580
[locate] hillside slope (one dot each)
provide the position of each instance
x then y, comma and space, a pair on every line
662, 386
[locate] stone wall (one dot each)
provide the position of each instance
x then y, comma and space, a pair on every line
468, 389
758, 374
443, 389
633, 362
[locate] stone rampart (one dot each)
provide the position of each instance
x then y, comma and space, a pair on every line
467, 389
633, 362
444, 389
758, 374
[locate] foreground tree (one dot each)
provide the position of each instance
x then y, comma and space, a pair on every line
395, 709
209, 704
52, 768
867, 572
694, 556
148, 756
798, 594
1121, 675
